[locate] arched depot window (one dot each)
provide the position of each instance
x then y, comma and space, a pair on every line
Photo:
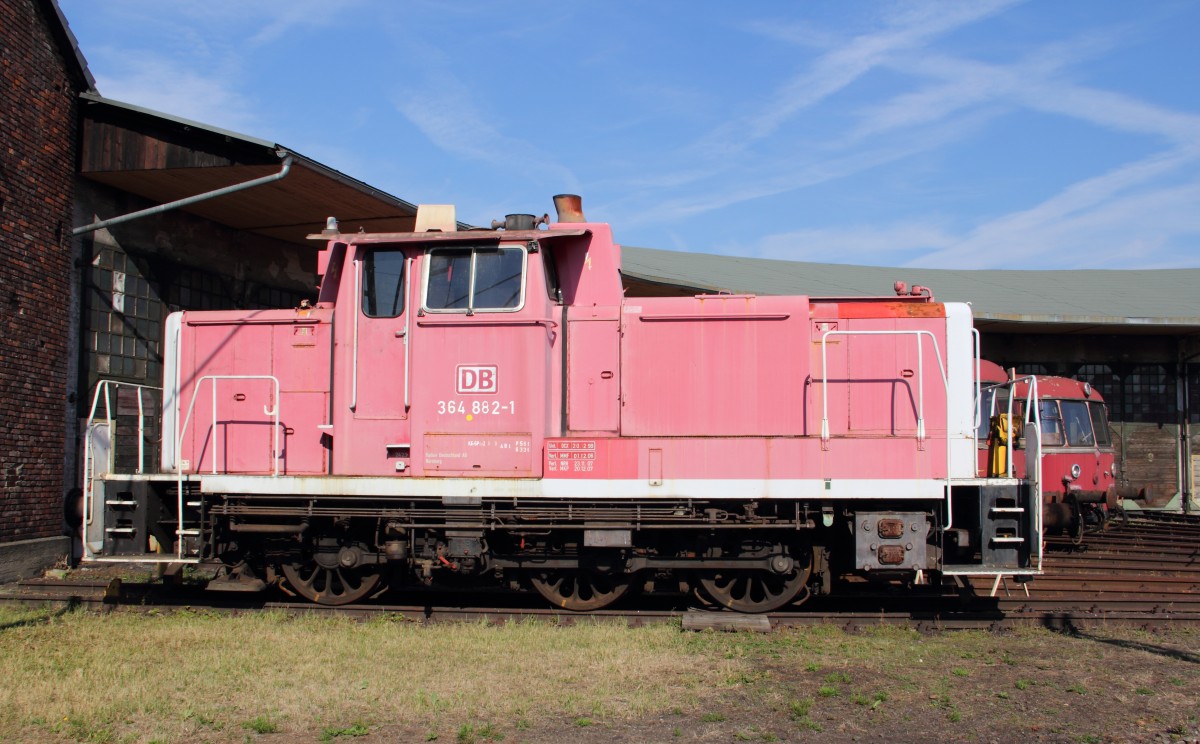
480, 278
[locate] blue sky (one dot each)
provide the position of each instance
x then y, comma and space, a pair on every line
982, 134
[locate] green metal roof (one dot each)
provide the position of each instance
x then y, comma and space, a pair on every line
1086, 300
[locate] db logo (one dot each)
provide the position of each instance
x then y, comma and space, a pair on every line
475, 379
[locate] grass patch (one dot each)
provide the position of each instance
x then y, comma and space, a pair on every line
79, 677
87, 672
358, 729
261, 725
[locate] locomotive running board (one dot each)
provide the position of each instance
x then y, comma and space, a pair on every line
914, 489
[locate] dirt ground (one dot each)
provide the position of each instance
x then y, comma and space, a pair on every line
1105, 685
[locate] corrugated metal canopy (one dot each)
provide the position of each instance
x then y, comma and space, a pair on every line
1083, 301
163, 158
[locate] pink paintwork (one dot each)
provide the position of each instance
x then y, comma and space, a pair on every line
653, 395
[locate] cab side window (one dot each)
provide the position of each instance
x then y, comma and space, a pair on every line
1052, 425
475, 279
383, 283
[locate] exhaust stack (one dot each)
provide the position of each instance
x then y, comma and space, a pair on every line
569, 208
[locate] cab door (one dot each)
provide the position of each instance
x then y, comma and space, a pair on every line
381, 353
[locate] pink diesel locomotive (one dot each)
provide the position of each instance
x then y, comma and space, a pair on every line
488, 404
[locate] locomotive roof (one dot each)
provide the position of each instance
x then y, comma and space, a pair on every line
1088, 300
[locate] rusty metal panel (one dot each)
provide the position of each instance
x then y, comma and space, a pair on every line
890, 540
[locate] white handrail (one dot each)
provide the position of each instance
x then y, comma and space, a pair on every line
920, 394
180, 431
1032, 418
103, 392
272, 412
354, 352
407, 330
978, 392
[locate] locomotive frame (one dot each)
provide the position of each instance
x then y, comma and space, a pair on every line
488, 405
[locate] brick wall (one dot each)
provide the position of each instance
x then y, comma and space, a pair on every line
37, 159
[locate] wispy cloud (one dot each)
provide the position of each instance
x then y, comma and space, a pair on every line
752, 155
1124, 209
910, 29
444, 109
165, 85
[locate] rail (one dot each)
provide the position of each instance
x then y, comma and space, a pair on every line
104, 392
920, 433
1031, 424
273, 412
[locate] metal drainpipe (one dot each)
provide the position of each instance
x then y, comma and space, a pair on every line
1185, 433
287, 166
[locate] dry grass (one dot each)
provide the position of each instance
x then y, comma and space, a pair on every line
178, 675
219, 678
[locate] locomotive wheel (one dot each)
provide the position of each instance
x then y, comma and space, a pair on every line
581, 590
326, 580
757, 590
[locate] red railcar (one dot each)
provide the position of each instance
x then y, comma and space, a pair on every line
1078, 464
488, 404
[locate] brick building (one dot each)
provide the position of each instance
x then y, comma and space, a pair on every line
111, 217
41, 79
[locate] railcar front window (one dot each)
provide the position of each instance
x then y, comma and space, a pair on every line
1078, 423
383, 283
1100, 424
1052, 425
480, 278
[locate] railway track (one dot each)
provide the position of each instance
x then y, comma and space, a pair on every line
1143, 571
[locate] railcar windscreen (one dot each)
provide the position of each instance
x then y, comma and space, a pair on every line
1100, 424
1078, 423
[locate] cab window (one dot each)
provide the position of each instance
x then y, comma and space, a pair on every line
1100, 424
474, 279
986, 398
383, 283
1078, 423
1052, 424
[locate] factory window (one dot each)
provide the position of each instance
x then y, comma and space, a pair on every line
1103, 381
123, 319
479, 278
383, 283
1148, 395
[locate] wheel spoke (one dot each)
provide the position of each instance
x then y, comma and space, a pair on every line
318, 581
756, 590
582, 590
